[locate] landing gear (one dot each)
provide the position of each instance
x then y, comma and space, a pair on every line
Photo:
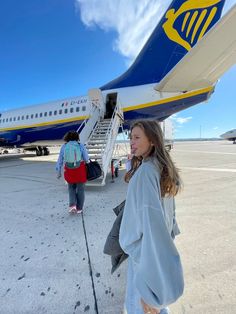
46, 151
40, 151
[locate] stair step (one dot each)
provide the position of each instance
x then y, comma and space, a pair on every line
101, 130
104, 123
92, 145
95, 151
95, 146
101, 136
96, 142
95, 156
98, 160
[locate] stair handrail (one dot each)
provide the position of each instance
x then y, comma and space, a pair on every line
84, 122
88, 125
111, 134
117, 112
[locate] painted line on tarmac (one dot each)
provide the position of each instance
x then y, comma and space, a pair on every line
204, 152
208, 169
90, 266
28, 178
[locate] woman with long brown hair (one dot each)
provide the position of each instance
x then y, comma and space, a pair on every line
154, 277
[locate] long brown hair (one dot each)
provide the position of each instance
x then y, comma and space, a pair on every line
170, 181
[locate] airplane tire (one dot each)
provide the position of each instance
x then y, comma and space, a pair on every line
46, 151
39, 151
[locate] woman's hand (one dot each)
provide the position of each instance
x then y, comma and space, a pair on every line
148, 309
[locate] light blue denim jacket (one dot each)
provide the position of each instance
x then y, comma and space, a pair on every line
60, 160
146, 235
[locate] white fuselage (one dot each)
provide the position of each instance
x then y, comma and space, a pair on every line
230, 135
44, 123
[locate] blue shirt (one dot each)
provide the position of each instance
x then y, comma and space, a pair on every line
60, 160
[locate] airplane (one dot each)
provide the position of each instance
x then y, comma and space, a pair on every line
189, 50
230, 136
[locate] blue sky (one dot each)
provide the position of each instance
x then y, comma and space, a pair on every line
54, 49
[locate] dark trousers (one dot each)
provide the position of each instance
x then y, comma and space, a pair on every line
76, 194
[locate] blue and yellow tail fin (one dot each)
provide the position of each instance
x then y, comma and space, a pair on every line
182, 26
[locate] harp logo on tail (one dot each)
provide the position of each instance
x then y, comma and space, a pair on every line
187, 25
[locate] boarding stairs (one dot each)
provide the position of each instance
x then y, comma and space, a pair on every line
101, 144
100, 134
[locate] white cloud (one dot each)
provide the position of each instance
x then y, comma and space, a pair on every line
183, 120
216, 128
180, 120
132, 20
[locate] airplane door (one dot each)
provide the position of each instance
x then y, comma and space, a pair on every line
111, 101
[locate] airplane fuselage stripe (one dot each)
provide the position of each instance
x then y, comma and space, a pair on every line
78, 118
167, 100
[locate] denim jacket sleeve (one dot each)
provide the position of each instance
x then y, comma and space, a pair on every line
84, 153
60, 160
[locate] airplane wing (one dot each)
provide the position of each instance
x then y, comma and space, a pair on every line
209, 59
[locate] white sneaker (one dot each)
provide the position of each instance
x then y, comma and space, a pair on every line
79, 211
72, 209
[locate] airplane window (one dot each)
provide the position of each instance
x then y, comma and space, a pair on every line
27, 117
83, 108
32, 116
14, 119
22, 117
66, 110
10, 119
3, 120
71, 109
55, 113
18, 118
0, 121
77, 109
50, 113
45, 114
40, 115
60, 111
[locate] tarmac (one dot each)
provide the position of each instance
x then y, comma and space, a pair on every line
53, 262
